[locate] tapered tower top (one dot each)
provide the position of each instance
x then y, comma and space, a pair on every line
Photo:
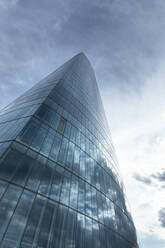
59, 183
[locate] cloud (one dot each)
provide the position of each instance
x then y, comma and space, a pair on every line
125, 43
137, 123
160, 176
142, 179
162, 217
6, 4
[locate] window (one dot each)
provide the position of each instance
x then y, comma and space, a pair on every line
18, 221
33, 220
7, 206
29, 131
61, 125
74, 192
63, 151
73, 134
67, 130
56, 147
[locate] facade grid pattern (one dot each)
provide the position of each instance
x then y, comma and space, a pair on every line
59, 179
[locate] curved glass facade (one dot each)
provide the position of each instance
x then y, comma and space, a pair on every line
59, 182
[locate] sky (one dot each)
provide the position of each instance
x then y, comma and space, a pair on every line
124, 40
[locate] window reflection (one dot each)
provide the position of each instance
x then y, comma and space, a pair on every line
63, 151
56, 147
7, 206
61, 125
71, 229
74, 192
60, 227
65, 191
64, 158
33, 220
18, 221
70, 155
57, 181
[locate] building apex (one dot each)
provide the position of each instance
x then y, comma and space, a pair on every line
81, 54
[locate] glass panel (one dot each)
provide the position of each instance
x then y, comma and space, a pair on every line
107, 238
3, 186
22, 171
31, 153
45, 225
29, 131
113, 193
63, 151
57, 183
9, 164
96, 240
91, 149
87, 145
56, 147
102, 236
65, 188
47, 114
104, 204
80, 237
51, 103
46, 179
53, 224
61, 125
76, 165
33, 220
74, 192
101, 175
81, 196
9, 130
70, 155
88, 233
35, 175
78, 141
111, 214
67, 130
94, 203
82, 142
19, 147
107, 183
39, 138
47, 144
55, 118
100, 207
88, 208
71, 231
7, 206
42, 112
60, 227
88, 168
3, 147
96, 174
82, 164
73, 134
18, 222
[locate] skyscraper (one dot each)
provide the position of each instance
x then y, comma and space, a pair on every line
59, 182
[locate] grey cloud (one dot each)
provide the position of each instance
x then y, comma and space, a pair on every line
142, 179
117, 35
5, 4
160, 176
162, 217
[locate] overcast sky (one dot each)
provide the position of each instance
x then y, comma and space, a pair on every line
125, 42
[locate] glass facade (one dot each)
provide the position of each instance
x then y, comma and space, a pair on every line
59, 178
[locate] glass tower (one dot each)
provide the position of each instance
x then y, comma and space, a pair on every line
59, 181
